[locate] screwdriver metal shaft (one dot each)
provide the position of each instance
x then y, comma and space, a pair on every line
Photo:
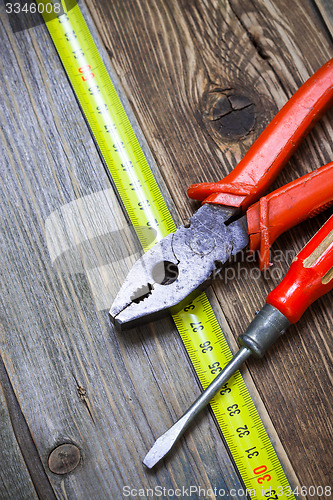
309, 277
164, 443
265, 328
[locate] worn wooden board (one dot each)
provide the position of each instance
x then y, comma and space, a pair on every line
14, 475
75, 379
262, 50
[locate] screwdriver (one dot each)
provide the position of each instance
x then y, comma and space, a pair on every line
309, 277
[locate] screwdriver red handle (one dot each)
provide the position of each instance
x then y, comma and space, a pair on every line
273, 148
287, 206
309, 277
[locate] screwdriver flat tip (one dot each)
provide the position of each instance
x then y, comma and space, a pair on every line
164, 443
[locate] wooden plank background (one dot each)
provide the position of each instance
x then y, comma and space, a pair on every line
67, 376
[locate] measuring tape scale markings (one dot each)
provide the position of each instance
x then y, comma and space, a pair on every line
110, 125
239, 420
202, 336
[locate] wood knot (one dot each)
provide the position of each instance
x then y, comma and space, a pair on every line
64, 458
232, 114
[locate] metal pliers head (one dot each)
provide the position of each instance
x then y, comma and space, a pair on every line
179, 266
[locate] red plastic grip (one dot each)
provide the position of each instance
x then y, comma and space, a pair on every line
282, 209
309, 277
273, 148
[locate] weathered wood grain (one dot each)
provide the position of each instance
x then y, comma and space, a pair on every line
15, 481
262, 50
75, 379
325, 8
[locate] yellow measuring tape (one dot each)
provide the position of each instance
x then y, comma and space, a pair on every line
208, 350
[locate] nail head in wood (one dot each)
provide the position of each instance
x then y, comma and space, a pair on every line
64, 458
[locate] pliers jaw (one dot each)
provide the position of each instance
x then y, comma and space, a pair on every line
142, 284
180, 266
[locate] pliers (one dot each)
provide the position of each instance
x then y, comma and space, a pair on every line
231, 218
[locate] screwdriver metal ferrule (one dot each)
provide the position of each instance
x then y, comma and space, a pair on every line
266, 327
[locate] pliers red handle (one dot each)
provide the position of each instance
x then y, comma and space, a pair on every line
185, 262
249, 180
